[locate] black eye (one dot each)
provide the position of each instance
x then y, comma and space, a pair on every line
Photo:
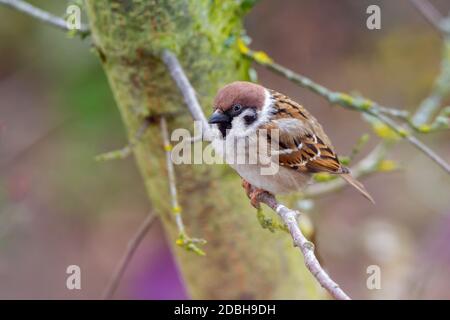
237, 108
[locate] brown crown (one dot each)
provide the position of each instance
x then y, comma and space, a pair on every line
246, 94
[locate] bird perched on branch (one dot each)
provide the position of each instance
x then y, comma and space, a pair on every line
273, 142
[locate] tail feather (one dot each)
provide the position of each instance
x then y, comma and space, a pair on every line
358, 185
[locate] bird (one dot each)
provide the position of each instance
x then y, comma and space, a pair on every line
250, 121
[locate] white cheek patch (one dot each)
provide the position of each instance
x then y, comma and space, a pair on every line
263, 117
266, 111
239, 127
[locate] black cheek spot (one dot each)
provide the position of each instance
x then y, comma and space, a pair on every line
249, 119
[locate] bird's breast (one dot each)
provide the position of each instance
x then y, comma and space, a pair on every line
259, 168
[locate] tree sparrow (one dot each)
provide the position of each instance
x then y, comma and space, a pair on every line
251, 116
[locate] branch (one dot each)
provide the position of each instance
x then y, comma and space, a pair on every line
430, 13
287, 215
415, 142
132, 246
367, 106
43, 16
186, 89
184, 240
334, 97
440, 91
128, 149
441, 87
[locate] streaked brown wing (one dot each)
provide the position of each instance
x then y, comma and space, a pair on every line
302, 143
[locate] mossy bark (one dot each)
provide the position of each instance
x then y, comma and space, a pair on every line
243, 260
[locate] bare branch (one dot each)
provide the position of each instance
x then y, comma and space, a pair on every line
171, 176
343, 99
441, 88
186, 89
128, 149
289, 216
415, 142
184, 240
427, 107
440, 91
43, 16
132, 246
353, 103
430, 13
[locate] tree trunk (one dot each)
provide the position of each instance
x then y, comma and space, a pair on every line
243, 260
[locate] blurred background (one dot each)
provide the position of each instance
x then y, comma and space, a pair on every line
60, 207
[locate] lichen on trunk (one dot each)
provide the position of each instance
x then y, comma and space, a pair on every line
243, 260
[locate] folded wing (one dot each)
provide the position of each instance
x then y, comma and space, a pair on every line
302, 145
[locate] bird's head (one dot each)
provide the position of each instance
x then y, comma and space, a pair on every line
239, 104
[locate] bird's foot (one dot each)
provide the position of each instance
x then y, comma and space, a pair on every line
254, 197
247, 187
253, 193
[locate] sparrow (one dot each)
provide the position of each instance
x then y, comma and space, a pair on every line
248, 116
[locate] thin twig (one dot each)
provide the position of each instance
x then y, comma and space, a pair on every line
415, 142
171, 176
289, 217
349, 102
126, 151
441, 88
428, 107
429, 12
440, 91
343, 99
186, 89
43, 16
184, 240
132, 246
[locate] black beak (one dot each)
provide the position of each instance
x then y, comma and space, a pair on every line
219, 117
